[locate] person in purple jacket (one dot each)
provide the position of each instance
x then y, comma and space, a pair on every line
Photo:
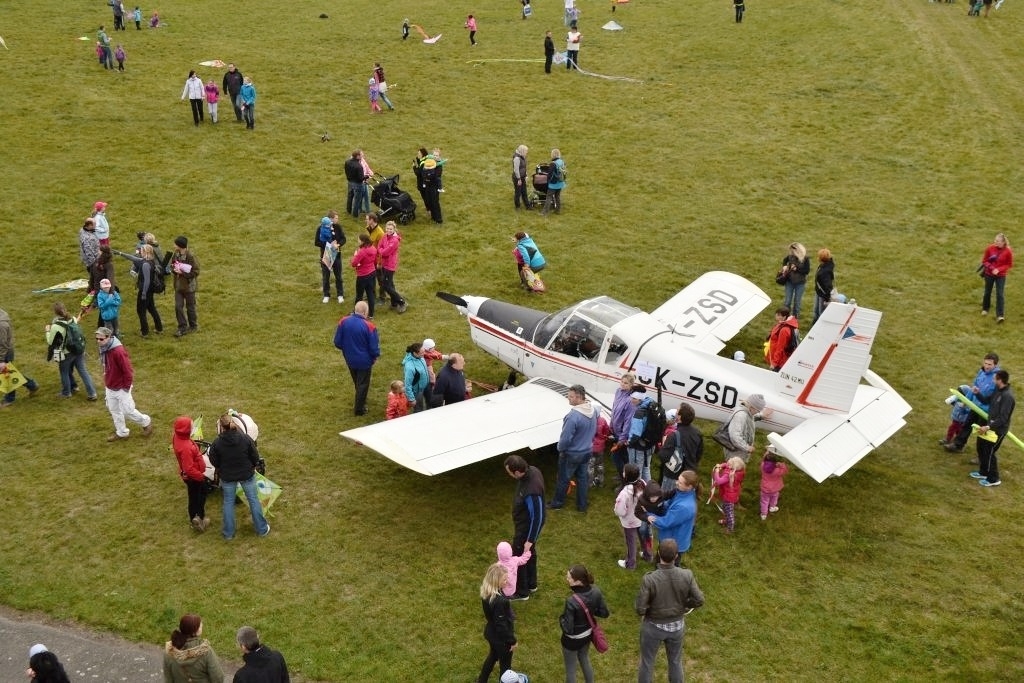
622, 414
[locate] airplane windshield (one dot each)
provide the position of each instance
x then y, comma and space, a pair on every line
604, 311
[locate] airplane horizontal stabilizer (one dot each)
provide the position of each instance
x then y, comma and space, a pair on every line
712, 309
829, 445
441, 439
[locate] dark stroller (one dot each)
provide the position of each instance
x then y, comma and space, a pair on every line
394, 203
540, 184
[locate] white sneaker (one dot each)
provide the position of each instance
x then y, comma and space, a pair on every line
764, 517
622, 563
341, 300
773, 509
327, 299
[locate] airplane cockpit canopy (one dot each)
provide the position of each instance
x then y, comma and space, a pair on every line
580, 330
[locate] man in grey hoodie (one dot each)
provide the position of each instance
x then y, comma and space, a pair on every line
574, 445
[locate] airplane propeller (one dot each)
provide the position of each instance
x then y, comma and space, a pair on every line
452, 299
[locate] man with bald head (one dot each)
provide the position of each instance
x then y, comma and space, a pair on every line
359, 343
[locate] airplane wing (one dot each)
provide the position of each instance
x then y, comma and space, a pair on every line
829, 445
442, 439
712, 309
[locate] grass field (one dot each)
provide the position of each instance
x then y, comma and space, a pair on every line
890, 132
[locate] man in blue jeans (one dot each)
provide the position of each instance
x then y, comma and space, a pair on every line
235, 456
574, 445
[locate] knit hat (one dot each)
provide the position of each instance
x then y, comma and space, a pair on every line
372, 81
638, 395
671, 415
181, 241
36, 649
511, 676
325, 222
99, 206
104, 283
428, 344
740, 356
755, 401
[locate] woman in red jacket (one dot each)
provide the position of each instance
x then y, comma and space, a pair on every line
192, 468
995, 264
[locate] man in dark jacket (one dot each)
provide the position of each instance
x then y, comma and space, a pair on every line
688, 441
528, 519
1000, 410
232, 86
235, 457
7, 356
450, 386
262, 665
359, 343
666, 595
356, 177
549, 52
185, 267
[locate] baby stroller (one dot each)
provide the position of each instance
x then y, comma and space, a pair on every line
540, 184
393, 202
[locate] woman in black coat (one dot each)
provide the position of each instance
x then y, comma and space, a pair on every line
824, 282
576, 632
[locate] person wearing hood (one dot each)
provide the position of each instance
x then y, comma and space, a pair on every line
188, 657
262, 665
44, 667
192, 469
574, 446
417, 377
235, 456
512, 563
741, 426
118, 377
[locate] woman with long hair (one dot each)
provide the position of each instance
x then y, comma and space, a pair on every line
500, 631
44, 667
995, 264
796, 266
145, 302
576, 631
824, 282
188, 657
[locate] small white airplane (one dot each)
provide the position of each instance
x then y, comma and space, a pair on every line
822, 418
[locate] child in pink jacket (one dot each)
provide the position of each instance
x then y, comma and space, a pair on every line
512, 562
596, 468
625, 510
728, 477
772, 472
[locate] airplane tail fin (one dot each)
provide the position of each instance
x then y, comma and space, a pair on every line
825, 369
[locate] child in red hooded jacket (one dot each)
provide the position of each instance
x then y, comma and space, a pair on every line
192, 468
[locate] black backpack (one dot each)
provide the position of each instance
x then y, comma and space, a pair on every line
554, 173
74, 339
157, 273
654, 427
794, 341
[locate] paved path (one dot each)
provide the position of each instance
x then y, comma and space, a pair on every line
85, 654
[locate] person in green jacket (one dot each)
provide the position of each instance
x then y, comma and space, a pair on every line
188, 657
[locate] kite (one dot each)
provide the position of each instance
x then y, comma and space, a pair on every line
214, 63
69, 286
612, 26
266, 490
85, 38
11, 379
426, 37
5, 44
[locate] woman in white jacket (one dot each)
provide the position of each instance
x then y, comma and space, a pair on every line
196, 93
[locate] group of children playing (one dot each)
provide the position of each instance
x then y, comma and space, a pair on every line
119, 53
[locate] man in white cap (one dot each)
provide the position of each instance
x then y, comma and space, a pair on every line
741, 426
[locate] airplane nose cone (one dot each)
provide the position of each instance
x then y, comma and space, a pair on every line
473, 304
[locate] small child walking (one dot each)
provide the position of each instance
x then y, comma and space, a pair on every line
398, 404
137, 16
625, 510
212, 95
405, 29
512, 563
471, 27
108, 301
772, 472
374, 94
100, 53
728, 477
120, 56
